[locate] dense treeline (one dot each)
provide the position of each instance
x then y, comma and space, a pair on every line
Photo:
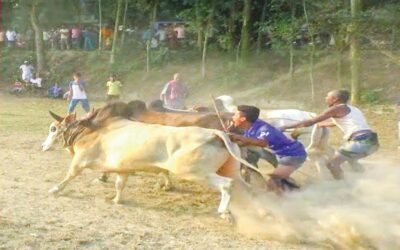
239, 27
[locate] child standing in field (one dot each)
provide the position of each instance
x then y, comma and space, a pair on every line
114, 88
77, 93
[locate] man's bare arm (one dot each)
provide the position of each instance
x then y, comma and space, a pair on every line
326, 124
246, 141
329, 113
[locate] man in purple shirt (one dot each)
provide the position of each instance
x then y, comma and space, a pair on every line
290, 153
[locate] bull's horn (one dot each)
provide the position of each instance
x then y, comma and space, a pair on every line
56, 117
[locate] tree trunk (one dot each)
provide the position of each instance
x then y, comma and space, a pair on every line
199, 25
354, 52
312, 52
100, 25
208, 28
245, 34
231, 27
291, 48
124, 24
148, 48
262, 20
114, 42
203, 56
339, 77
40, 54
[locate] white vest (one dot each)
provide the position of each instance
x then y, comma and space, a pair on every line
77, 93
352, 122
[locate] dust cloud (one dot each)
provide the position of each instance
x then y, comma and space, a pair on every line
360, 212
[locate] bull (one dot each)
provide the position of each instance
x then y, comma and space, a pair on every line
123, 147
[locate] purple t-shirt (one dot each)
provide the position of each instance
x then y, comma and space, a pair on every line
278, 142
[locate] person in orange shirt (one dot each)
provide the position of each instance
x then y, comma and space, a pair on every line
106, 34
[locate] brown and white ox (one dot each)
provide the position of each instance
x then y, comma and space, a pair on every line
123, 147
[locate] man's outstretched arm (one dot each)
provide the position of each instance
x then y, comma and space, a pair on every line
331, 112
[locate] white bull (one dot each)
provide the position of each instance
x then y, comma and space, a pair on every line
314, 138
124, 147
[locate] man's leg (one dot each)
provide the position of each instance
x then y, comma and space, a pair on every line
85, 105
334, 166
72, 105
284, 171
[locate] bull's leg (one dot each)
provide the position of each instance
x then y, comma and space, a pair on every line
224, 184
73, 171
119, 186
166, 184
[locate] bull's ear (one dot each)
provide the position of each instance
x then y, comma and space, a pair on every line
56, 117
70, 118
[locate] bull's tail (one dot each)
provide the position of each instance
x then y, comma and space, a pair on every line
228, 144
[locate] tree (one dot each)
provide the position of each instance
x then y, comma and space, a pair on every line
245, 33
153, 4
124, 24
261, 29
100, 24
114, 44
40, 53
354, 52
206, 36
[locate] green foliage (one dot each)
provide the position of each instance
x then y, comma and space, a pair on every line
370, 96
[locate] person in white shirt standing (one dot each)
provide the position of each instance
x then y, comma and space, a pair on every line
27, 71
360, 139
11, 36
77, 93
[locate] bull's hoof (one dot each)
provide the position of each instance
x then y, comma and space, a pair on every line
163, 187
117, 201
54, 190
227, 216
103, 178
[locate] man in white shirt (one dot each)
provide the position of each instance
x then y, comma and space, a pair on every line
11, 36
360, 139
77, 93
161, 34
27, 71
64, 36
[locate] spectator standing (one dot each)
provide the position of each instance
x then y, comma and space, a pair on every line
172, 37
174, 93
11, 36
161, 34
54, 38
106, 34
114, 88
46, 38
87, 39
76, 37
77, 93
64, 36
180, 32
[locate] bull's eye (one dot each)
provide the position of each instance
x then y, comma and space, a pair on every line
53, 129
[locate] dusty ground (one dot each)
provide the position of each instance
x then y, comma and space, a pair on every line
83, 216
